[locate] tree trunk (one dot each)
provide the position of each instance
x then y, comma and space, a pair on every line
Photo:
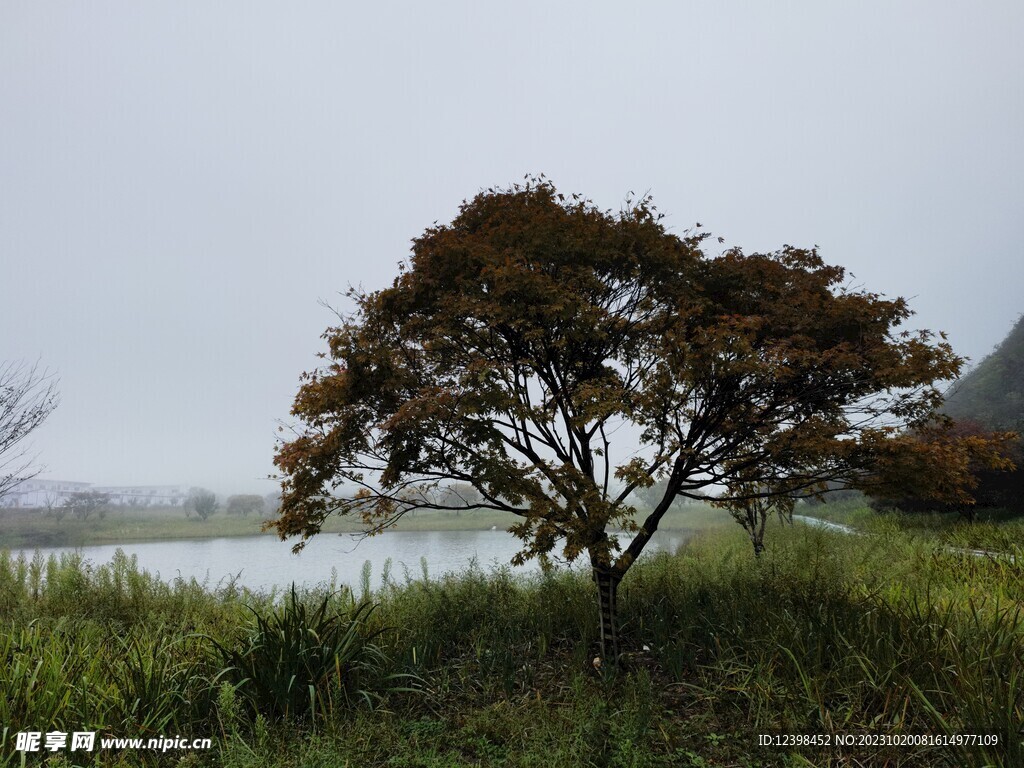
757, 527
607, 595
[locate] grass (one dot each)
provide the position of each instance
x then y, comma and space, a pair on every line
32, 528
824, 634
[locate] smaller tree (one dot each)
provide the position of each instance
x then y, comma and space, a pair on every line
53, 508
244, 504
651, 495
458, 496
751, 506
84, 504
203, 502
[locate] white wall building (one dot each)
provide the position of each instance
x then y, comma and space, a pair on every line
145, 495
35, 493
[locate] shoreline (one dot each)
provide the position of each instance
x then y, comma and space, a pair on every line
25, 531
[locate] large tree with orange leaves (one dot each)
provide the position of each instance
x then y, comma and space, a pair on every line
556, 357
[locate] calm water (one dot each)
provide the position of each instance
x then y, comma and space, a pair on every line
264, 562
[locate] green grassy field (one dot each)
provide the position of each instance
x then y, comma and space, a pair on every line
881, 636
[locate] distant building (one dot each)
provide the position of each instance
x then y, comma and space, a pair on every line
145, 495
36, 493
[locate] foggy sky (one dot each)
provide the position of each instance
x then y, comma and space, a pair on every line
182, 184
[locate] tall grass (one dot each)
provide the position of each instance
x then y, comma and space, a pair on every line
295, 662
824, 634
844, 633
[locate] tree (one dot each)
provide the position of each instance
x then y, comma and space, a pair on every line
959, 468
84, 503
458, 495
244, 505
202, 502
53, 509
752, 506
27, 396
557, 357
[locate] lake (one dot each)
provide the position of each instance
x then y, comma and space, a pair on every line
266, 562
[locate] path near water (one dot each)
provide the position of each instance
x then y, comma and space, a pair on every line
829, 525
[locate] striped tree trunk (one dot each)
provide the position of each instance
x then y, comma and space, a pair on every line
607, 591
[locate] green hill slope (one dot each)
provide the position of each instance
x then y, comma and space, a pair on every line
992, 397
993, 393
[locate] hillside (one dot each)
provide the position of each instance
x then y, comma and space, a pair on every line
992, 397
993, 393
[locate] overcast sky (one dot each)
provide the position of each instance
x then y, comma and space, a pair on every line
183, 184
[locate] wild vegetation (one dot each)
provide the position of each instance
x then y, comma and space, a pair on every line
824, 633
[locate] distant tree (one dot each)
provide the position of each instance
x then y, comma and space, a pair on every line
244, 505
84, 504
650, 496
53, 508
752, 506
1003, 488
27, 396
272, 503
458, 496
203, 502
523, 335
